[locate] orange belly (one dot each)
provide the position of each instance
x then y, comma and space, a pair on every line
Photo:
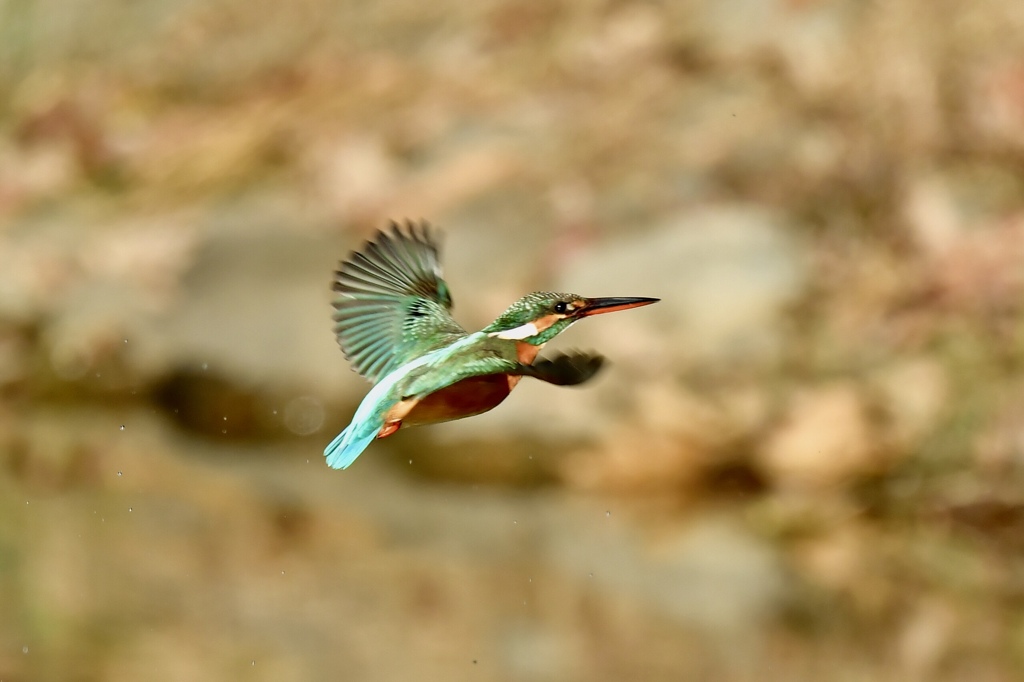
468, 397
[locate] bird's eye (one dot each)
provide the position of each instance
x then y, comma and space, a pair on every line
561, 307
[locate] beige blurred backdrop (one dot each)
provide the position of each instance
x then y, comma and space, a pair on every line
805, 463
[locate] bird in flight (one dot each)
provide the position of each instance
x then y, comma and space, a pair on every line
393, 323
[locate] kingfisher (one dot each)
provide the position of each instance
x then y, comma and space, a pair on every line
393, 323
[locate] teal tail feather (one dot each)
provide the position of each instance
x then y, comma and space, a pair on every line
366, 424
348, 445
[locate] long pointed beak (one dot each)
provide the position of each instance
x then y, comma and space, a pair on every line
597, 306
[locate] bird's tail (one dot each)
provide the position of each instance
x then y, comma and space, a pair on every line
348, 445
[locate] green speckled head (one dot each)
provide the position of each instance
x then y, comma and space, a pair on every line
538, 317
541, 316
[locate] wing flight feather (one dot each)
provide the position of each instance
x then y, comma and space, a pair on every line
393, 304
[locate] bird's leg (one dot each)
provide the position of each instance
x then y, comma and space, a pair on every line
388, 429
393, 418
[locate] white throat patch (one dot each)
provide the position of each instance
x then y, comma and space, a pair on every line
519, 333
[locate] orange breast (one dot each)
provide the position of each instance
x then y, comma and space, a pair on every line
526, 353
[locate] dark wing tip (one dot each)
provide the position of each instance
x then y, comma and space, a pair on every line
587, 364
391, 240
409, 230
567, 369
336, 284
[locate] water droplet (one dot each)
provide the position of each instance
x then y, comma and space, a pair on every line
282, 572
254, 661
206, 366
410, 461
608, 513
225, 417
304, 415
126, 340
24, 649
122, 427
275, 411
129, 508
590, 575
224, 431
515, 523
120, 474
529, 580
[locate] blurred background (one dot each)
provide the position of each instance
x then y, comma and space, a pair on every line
805, 463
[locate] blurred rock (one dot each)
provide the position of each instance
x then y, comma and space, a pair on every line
626, 37
356, 177
32, 173
712, 573
127, 309
824, 440
158, 524
15, 358
746, 409
996, 109
914, 394
38, 268
925, 639
809, 39
932, 214
254, 308
152, 253
666, 442
836, 559
724, 274
970, 224
121, 277
456, 178
946, 207
908, 98
998, 449
633, 460
980, 274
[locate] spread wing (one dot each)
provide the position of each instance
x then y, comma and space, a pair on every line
392, 303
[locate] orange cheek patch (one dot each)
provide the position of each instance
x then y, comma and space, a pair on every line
545, 322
